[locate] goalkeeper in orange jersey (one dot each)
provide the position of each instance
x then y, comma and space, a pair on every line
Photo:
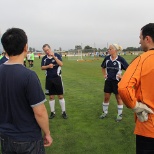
135, 89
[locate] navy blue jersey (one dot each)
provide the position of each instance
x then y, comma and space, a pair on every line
20, 91
3, 60
114, 67
56, 70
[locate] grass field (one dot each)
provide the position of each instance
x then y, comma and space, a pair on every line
83, 132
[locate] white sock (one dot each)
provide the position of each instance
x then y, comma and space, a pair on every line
120, 109
52, 105
105, 107
62, 104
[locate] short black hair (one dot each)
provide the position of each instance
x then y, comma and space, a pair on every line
14, 41
148, 30
46, 45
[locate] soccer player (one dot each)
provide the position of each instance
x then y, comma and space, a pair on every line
28, 58
22, 111
32, 57
52, 63
112, 67
4, 58
136, 91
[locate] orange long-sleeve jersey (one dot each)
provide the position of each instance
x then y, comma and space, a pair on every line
137, 84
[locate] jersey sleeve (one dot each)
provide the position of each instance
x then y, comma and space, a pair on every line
34, 90
129, 83
124, 64
59, 57
42, 62
103, 65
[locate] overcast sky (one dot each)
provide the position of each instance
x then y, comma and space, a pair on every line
66, 23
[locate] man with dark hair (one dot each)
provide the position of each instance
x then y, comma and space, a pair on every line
22, 111
135, 89
52, 63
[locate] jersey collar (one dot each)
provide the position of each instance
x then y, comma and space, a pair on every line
114, 59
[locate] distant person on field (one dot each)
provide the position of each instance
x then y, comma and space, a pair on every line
4, 58
52, 63
136, 91
25, 62
32, 57
23, 116
1, 56
112, 67
29, 58
39, 55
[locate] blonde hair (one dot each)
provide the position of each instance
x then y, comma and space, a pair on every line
117, 47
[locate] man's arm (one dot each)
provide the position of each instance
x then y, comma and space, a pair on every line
104, 72
47, 66
41, 117
59, 62
129, 83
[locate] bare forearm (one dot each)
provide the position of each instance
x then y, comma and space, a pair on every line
41, 117
104, 72
59, 62
44, 67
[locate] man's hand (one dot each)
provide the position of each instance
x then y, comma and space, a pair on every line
50, 66
105, 76
47, 140
142, 111
119, 76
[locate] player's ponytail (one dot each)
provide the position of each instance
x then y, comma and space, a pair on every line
117, 47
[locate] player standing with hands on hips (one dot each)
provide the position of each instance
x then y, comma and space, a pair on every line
52, 63
136, 91
22, 111
112, 67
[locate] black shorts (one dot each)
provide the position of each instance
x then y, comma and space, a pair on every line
55, 86
111, 86
144, 145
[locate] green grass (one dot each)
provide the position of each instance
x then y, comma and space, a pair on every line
83, 132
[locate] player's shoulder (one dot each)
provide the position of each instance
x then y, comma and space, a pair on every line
120, 58
56, 54
44, 57
107, 57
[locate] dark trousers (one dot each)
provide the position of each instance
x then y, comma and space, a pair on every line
144, 145
9, 146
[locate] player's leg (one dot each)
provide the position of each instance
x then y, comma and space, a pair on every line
32, 63
59, 89
52, 106
50, 87
144, 145
119, 107
105, 105
119, 101
107, 95
62, 104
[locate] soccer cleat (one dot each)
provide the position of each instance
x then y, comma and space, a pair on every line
119, 118
103, 115
64, 115
52, 115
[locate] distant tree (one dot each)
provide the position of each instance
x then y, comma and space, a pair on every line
87, 47
132, 49
104, 49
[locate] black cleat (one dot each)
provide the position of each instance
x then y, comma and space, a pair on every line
52, 115
64, 115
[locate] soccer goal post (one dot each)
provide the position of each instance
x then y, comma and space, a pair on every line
74, 55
